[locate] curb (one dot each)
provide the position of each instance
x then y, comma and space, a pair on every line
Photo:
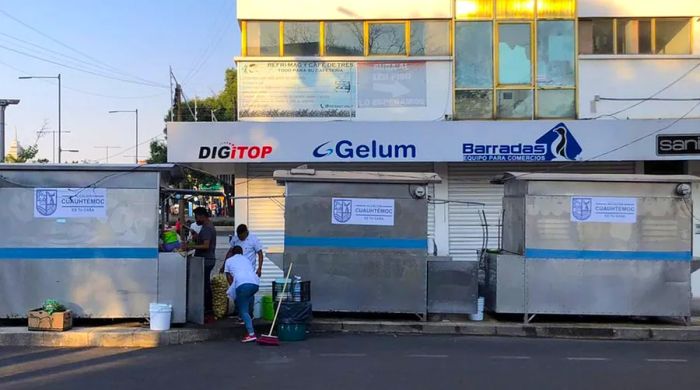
112, 337
132, 337
551, 331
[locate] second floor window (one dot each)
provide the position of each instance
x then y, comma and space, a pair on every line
658, 36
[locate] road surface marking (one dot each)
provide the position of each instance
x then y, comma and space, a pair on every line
428, 356
343, 354
588, 359
667, 360
511, 357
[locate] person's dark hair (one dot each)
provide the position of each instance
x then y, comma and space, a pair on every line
237, 250
201, 211
241, 229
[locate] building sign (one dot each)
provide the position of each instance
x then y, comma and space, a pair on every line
598, 209
539, 141
70, 203
308, 89
391, 84
358, 211
346, 149
557, 143
677, 144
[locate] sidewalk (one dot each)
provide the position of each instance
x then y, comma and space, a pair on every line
133, 335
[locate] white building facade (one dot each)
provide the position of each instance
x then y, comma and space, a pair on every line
465, 88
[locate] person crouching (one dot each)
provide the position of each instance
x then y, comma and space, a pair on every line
244, 283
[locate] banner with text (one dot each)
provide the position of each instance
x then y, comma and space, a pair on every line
308, 89
70, 203
391, 84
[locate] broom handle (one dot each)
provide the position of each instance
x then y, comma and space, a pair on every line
279, 305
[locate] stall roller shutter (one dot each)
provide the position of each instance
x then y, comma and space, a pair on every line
471, 183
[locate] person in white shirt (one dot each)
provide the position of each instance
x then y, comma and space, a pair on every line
244, 283
252, 247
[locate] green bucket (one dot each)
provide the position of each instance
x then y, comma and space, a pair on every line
268, 308
291, 332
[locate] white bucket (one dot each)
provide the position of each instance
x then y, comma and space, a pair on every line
479, 316
257, 307
160, 316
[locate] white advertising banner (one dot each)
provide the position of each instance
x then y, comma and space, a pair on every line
70, 203
308, 89
391, 84
360, 211
600, 209
442, 141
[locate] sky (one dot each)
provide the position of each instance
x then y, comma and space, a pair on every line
123, 50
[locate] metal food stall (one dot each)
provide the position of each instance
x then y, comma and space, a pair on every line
593, 245
361, 239
86, 235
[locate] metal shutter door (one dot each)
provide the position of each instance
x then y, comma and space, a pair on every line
470, 182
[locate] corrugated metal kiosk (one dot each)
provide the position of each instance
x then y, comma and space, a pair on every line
593, 245
361, 239
87, 236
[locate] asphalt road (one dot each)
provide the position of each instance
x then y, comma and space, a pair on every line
362, 362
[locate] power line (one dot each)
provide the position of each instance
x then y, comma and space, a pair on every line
78, 61
95, 60
129, 149
22, 72
632, 142
662, 90
80, 69
222, 25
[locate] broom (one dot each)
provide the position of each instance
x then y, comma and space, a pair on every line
269, 339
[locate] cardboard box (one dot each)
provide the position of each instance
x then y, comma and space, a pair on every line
57, 322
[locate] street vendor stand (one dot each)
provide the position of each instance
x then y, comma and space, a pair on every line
87, 236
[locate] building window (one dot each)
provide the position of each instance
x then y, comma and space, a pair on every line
514, 54
474, 58
344, 39
556, 54
262, 38
596, 36
633, 36
387, 38
556, 103
515, 9
672, 36
474, 9
302, 39
474, 104
558, 9
661, 36
515, 104
430, 38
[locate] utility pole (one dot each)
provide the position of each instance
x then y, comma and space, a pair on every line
59, 106
3, 105
178, 101
53, 136
107, 148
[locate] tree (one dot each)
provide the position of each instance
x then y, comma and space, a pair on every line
220, 106
24, 155
159, 152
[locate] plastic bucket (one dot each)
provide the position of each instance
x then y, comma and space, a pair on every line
479, 316
268, 308
291, 332
257, 307
160, 316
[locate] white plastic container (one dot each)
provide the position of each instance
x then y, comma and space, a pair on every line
257, 307
160, 316
479, 316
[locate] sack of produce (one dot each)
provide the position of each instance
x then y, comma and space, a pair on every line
219, 286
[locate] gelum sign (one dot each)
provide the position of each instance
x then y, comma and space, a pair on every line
360, 211
391, 84
599, 209
70, 203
